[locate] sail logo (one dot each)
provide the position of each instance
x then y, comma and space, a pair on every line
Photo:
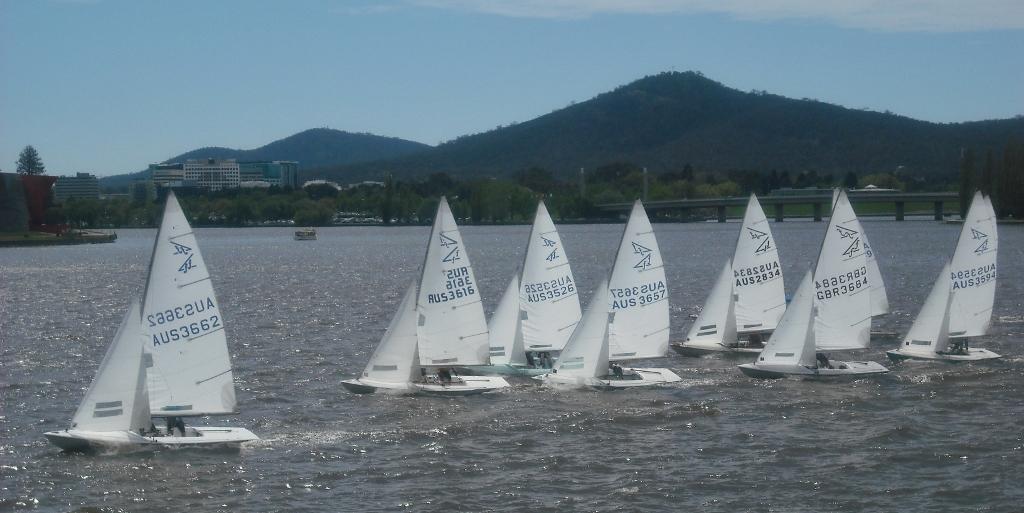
846, 233
764, 247
452, 256
645, 256
547, 243
983, 237
180, 249
553, 256
187, 265
853, 249
447, 241
756, 234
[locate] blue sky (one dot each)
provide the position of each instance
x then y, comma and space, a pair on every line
108, 86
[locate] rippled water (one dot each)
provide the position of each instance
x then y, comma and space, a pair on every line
303, 315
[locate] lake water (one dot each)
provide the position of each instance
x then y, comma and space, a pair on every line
301, 316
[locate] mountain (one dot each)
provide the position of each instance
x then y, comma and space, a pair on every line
316, 147
669, 120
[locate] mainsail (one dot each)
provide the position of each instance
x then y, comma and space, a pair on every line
452, 329
760, 291
586, 353
841, 286
972, 272
715, 327
547, 294
879, 298
793, 341
394, 361
638, 294
117, 399
190, 372
506, 336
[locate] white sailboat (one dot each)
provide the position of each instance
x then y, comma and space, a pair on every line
838, 314
534, 319
750, 289
184, 346
584, 361
959, 305
439, 326
548, 298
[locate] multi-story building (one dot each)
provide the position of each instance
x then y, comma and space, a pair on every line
167, 175
282, 173
212, 174
81, 186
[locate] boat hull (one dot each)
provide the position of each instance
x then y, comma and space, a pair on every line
462, 385
693, 350
635, 377
198, 437
839, 370
973, 355
358, 386
502, 370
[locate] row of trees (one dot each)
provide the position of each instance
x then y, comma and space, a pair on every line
475, 201
1000, 176
514, 200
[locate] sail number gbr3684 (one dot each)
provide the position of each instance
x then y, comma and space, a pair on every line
841, 284
179, 322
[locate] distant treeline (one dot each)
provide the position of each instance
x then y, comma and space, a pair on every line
514, 200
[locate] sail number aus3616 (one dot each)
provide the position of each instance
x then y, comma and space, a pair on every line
458, 284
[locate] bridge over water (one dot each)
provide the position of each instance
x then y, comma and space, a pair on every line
821, 203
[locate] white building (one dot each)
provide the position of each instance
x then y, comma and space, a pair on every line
212, 174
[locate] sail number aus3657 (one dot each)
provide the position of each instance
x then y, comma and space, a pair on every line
645, 294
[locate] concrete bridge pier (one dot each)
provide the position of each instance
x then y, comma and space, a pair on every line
899, 210
817, 211
779, 212
938, 210
721, 214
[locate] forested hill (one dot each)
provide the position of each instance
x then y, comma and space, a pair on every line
666, 121
316, 147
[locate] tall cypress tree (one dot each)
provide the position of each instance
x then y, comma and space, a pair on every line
29, 162
966, 180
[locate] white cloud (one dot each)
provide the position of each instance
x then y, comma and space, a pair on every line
888, 15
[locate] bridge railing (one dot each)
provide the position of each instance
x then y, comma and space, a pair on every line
820, 203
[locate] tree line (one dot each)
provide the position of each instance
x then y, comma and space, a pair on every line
489, 200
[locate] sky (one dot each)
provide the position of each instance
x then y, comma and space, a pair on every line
109, 86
